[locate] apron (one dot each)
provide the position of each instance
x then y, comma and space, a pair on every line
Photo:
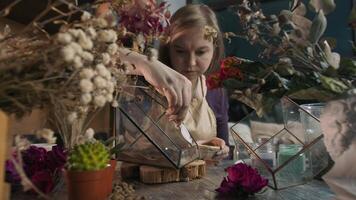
200, 119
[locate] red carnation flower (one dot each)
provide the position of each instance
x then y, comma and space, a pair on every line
213, 80
230, 62
241, 181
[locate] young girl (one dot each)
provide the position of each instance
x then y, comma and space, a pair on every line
196, 47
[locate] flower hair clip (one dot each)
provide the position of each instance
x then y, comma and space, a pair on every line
210, 33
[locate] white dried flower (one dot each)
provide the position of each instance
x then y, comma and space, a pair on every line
86, 73
77, 61
85, 42
89, 134
85, 16
72, 117
101, 22
99, 100
74, 32
76, 47
91, 32
47, 134
68, 53
100, 67
86, 98
64, 38
109, 97
107, 36
21, 143
103, 71
87, 56
99, 82
115, 104
110, 87
106, 58
86, 85
112, 49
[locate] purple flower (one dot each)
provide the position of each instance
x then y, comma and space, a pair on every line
40, 166
56, 158
242, 180
43, 180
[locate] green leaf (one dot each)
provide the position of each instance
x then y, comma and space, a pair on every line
352, 18
313, 93
232, 83
333, 84
347, 67
318, 27
327, 6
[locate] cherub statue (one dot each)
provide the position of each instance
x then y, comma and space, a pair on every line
338, 124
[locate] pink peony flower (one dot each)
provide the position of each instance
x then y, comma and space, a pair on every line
242, 180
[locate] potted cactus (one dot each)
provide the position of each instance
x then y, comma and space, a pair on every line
86, 173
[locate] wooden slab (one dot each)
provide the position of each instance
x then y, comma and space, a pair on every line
152, 175
4, 150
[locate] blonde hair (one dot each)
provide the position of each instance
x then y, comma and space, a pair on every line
194, 15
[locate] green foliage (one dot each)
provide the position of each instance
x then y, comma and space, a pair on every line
301, 63
92, 155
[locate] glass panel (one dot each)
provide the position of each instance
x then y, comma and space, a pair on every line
285, 144
149, 135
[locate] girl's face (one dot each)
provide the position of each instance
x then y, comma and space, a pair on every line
190, 53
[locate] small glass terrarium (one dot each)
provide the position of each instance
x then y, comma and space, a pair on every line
149, 137
285, 144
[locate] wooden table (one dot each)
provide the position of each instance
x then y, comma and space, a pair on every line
205, 189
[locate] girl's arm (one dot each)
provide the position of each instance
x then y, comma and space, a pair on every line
174, 86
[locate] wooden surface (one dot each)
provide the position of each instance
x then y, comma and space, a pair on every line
4, 137
204, 188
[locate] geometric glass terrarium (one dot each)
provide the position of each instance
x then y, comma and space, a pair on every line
149, 137
285, 144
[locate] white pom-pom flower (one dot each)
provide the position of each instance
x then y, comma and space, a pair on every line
87, 56
68, 53
85, 16
72, 117
99, 82
86, 85
115, 104
89, 134
108, 36
99, 100
109, 97
106, 58
86, 98
91, 32
77, 61
112, 49
85, 42
64, 38
101, 22
86, 73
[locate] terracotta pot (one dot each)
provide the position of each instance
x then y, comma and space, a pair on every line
109, 176
86, 185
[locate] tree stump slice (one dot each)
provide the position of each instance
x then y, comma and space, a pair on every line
129, 170
152, 175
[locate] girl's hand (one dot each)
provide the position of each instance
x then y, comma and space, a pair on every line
174, 86
224, 149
